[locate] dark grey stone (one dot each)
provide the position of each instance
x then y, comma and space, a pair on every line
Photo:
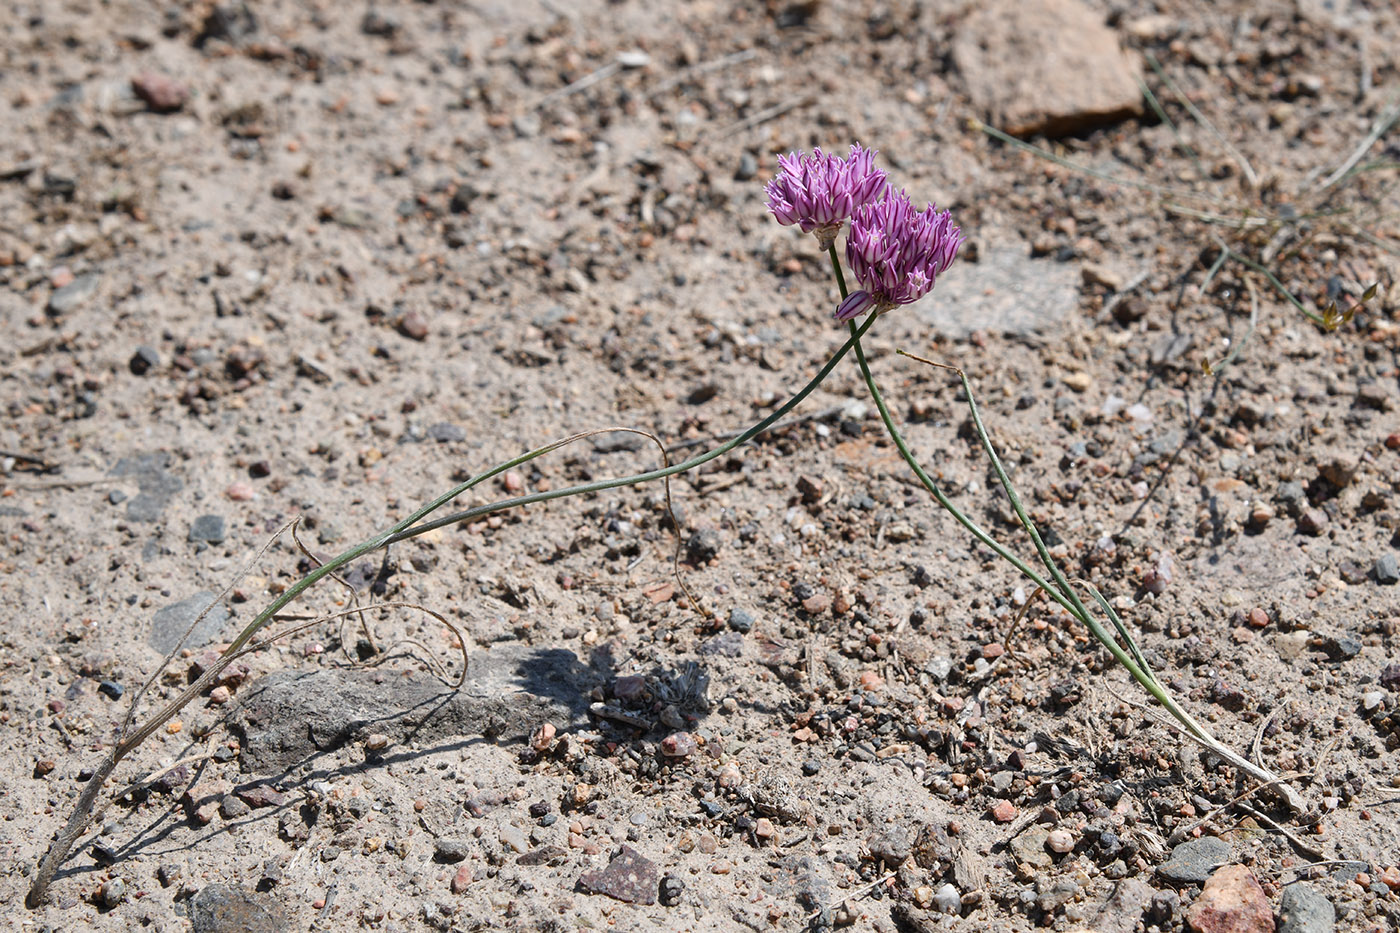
723, 645
1304, 909
445, 432
1013, 294
740, 620
143, 360
1194, 861
210, 529
225, 908
289, 717
156, 487
170, 623
451, 850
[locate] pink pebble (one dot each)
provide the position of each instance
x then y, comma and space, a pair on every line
240, 492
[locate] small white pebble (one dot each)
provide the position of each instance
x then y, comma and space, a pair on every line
946, 900
1060, 840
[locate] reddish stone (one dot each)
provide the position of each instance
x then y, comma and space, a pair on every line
462, 880
1231, 902
162, 93
1003, 811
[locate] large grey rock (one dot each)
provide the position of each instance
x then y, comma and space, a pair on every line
1045, 66
289, 717
1123, 909
1304, 909
1004, 292
1194, 861
170, 623
156, 486
225, 908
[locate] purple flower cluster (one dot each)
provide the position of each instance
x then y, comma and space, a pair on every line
896, 253
819, 192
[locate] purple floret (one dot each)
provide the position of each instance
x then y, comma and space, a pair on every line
819, 192
896, 253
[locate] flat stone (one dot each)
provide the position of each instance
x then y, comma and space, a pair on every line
73, 295
290, 717
155, 484
1013, 294
210, 529
223, 908
1029, 848
1231, 902
1123, 909
169, 624
1304, 909
1045, 66
1387, 570
444, 432
1193, 861
630, 877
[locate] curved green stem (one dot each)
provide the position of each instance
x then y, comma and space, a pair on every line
403, 530
82, 813
1061, 591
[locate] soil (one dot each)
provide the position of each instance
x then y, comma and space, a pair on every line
321, 262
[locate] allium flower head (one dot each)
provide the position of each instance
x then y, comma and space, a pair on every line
819, 192
896, 253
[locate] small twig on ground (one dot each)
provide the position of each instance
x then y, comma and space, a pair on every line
1128, 288
763, 116
688, 73
863, 889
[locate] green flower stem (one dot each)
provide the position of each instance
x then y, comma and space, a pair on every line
1061, 591
407, 528
403, 530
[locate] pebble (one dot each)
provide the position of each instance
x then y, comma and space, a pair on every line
513, 838
73, 295
629, 877
1304, 909
451, 850
1387, 570
670, 890
240, 491
747, 168
112, 893
1028, 848
1232, 901
678, 745
162, 93
740, 620
1312, 522
946, 900
462, 879
1193, 861
1003, 811
1060, 841
111, 690
414, 325
703, 546
143, 360
232, 807
1079, 382
211, 529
